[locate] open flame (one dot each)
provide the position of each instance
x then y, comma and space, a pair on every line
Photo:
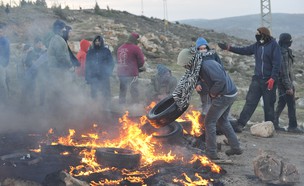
130, 137
189, 182
193, 116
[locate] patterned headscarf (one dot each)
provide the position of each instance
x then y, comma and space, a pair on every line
183, 91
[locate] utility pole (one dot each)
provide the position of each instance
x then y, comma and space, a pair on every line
165, 15
142, 7
266, 18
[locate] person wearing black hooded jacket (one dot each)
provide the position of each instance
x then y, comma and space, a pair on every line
264, 81
286, 88
99, 68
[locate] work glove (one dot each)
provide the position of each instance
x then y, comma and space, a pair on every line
223, 46
270, 83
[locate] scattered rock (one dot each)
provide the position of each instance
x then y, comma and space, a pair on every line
265, 129
272, 169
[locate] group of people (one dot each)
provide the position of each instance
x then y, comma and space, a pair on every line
205, 73
51, 55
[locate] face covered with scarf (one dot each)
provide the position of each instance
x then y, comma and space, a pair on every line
263, 35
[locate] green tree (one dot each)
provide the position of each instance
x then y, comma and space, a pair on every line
97, 9
22, 3
41, 3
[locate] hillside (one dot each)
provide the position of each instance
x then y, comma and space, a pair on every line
161, 44
234, 26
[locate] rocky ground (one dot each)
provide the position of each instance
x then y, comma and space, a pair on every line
160, 45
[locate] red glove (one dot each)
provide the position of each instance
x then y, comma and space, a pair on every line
270, 83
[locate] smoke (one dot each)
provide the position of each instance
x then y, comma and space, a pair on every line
68, 107
66, 103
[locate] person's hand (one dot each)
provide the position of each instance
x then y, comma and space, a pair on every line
270, 83
198, 88
223, 46
289, 92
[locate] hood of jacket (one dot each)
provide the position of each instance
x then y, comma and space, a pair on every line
100, 38
84, 45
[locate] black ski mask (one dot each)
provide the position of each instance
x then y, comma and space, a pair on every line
258, 37
285, 40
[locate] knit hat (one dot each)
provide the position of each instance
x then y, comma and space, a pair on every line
184, 57
201, 41
285, 37
133, 37
58, 25
264, 30
162, 69
285, 40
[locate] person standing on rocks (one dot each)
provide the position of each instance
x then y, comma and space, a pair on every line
31, 71
130, 59
59, 67
267, 56
98, 69
4, 60
81, 56
286, 88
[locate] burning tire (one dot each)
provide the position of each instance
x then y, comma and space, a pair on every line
165, 112
118, 157
171, 133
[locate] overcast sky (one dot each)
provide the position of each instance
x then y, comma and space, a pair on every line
185, 9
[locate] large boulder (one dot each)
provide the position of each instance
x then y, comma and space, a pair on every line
273, 169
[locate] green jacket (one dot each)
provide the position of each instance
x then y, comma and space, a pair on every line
58, 53
286, 75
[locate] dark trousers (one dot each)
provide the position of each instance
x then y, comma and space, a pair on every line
101, 85
258, 89
291, 105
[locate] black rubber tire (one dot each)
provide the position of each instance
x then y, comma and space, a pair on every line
174, 136
118, 157
164, 112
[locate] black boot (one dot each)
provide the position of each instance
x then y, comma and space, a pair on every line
236, 126
277, 126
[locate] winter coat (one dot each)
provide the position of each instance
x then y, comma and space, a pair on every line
213, 56
4, 51
218, 81
58, 53
81, 56
129, 59
99, 62
286, 77
267, 58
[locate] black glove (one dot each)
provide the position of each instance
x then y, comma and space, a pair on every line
223, 46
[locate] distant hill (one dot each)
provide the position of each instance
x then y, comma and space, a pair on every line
245, 26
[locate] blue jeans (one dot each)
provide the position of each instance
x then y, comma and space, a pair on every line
217, 115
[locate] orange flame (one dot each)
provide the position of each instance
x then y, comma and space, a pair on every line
205, 161
196, 125
190, 182
130, 137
